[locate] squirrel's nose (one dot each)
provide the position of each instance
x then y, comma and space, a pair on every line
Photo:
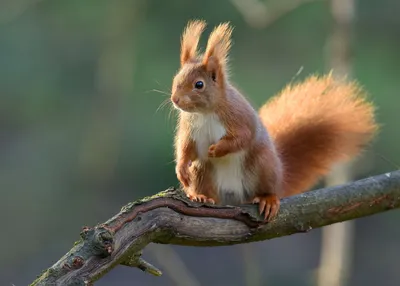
175, 99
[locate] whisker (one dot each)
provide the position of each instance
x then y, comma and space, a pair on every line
163, 104
162, 92
297, 74
170, 162
163, 86
159, 91
171, 111
166, 102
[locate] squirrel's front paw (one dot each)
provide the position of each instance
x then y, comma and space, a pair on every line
182, 172
215, 151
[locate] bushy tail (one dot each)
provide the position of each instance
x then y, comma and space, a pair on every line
315, 124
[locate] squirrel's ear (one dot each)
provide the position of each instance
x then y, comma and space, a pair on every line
190, 40
216, 55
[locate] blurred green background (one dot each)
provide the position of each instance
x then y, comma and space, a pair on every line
81, 132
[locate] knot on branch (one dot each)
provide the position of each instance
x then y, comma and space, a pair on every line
99, 240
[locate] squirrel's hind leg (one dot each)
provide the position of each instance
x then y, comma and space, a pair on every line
269, 186
202, 188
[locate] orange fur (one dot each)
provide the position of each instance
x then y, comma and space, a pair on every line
215, 58
190, 40
219, 44
315, 124
228, 153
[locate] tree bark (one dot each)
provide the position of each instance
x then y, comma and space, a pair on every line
170, 218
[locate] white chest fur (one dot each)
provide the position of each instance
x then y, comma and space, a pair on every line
207, 130
228, 172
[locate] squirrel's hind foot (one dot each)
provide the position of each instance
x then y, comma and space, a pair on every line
200, 198
267, 204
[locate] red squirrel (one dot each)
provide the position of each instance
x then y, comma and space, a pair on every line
228, 153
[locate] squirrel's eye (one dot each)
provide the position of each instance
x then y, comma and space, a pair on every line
199, 84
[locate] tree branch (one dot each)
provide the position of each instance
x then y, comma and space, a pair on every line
170, 218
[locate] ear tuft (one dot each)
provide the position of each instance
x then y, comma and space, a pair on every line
218, 45
190, 40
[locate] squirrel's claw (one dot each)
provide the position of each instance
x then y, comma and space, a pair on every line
269, 205
211, 151
201, 198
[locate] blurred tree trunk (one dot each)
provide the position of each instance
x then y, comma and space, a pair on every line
173, 265
252, 265
336, 252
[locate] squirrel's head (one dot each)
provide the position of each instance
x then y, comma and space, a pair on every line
200, 84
